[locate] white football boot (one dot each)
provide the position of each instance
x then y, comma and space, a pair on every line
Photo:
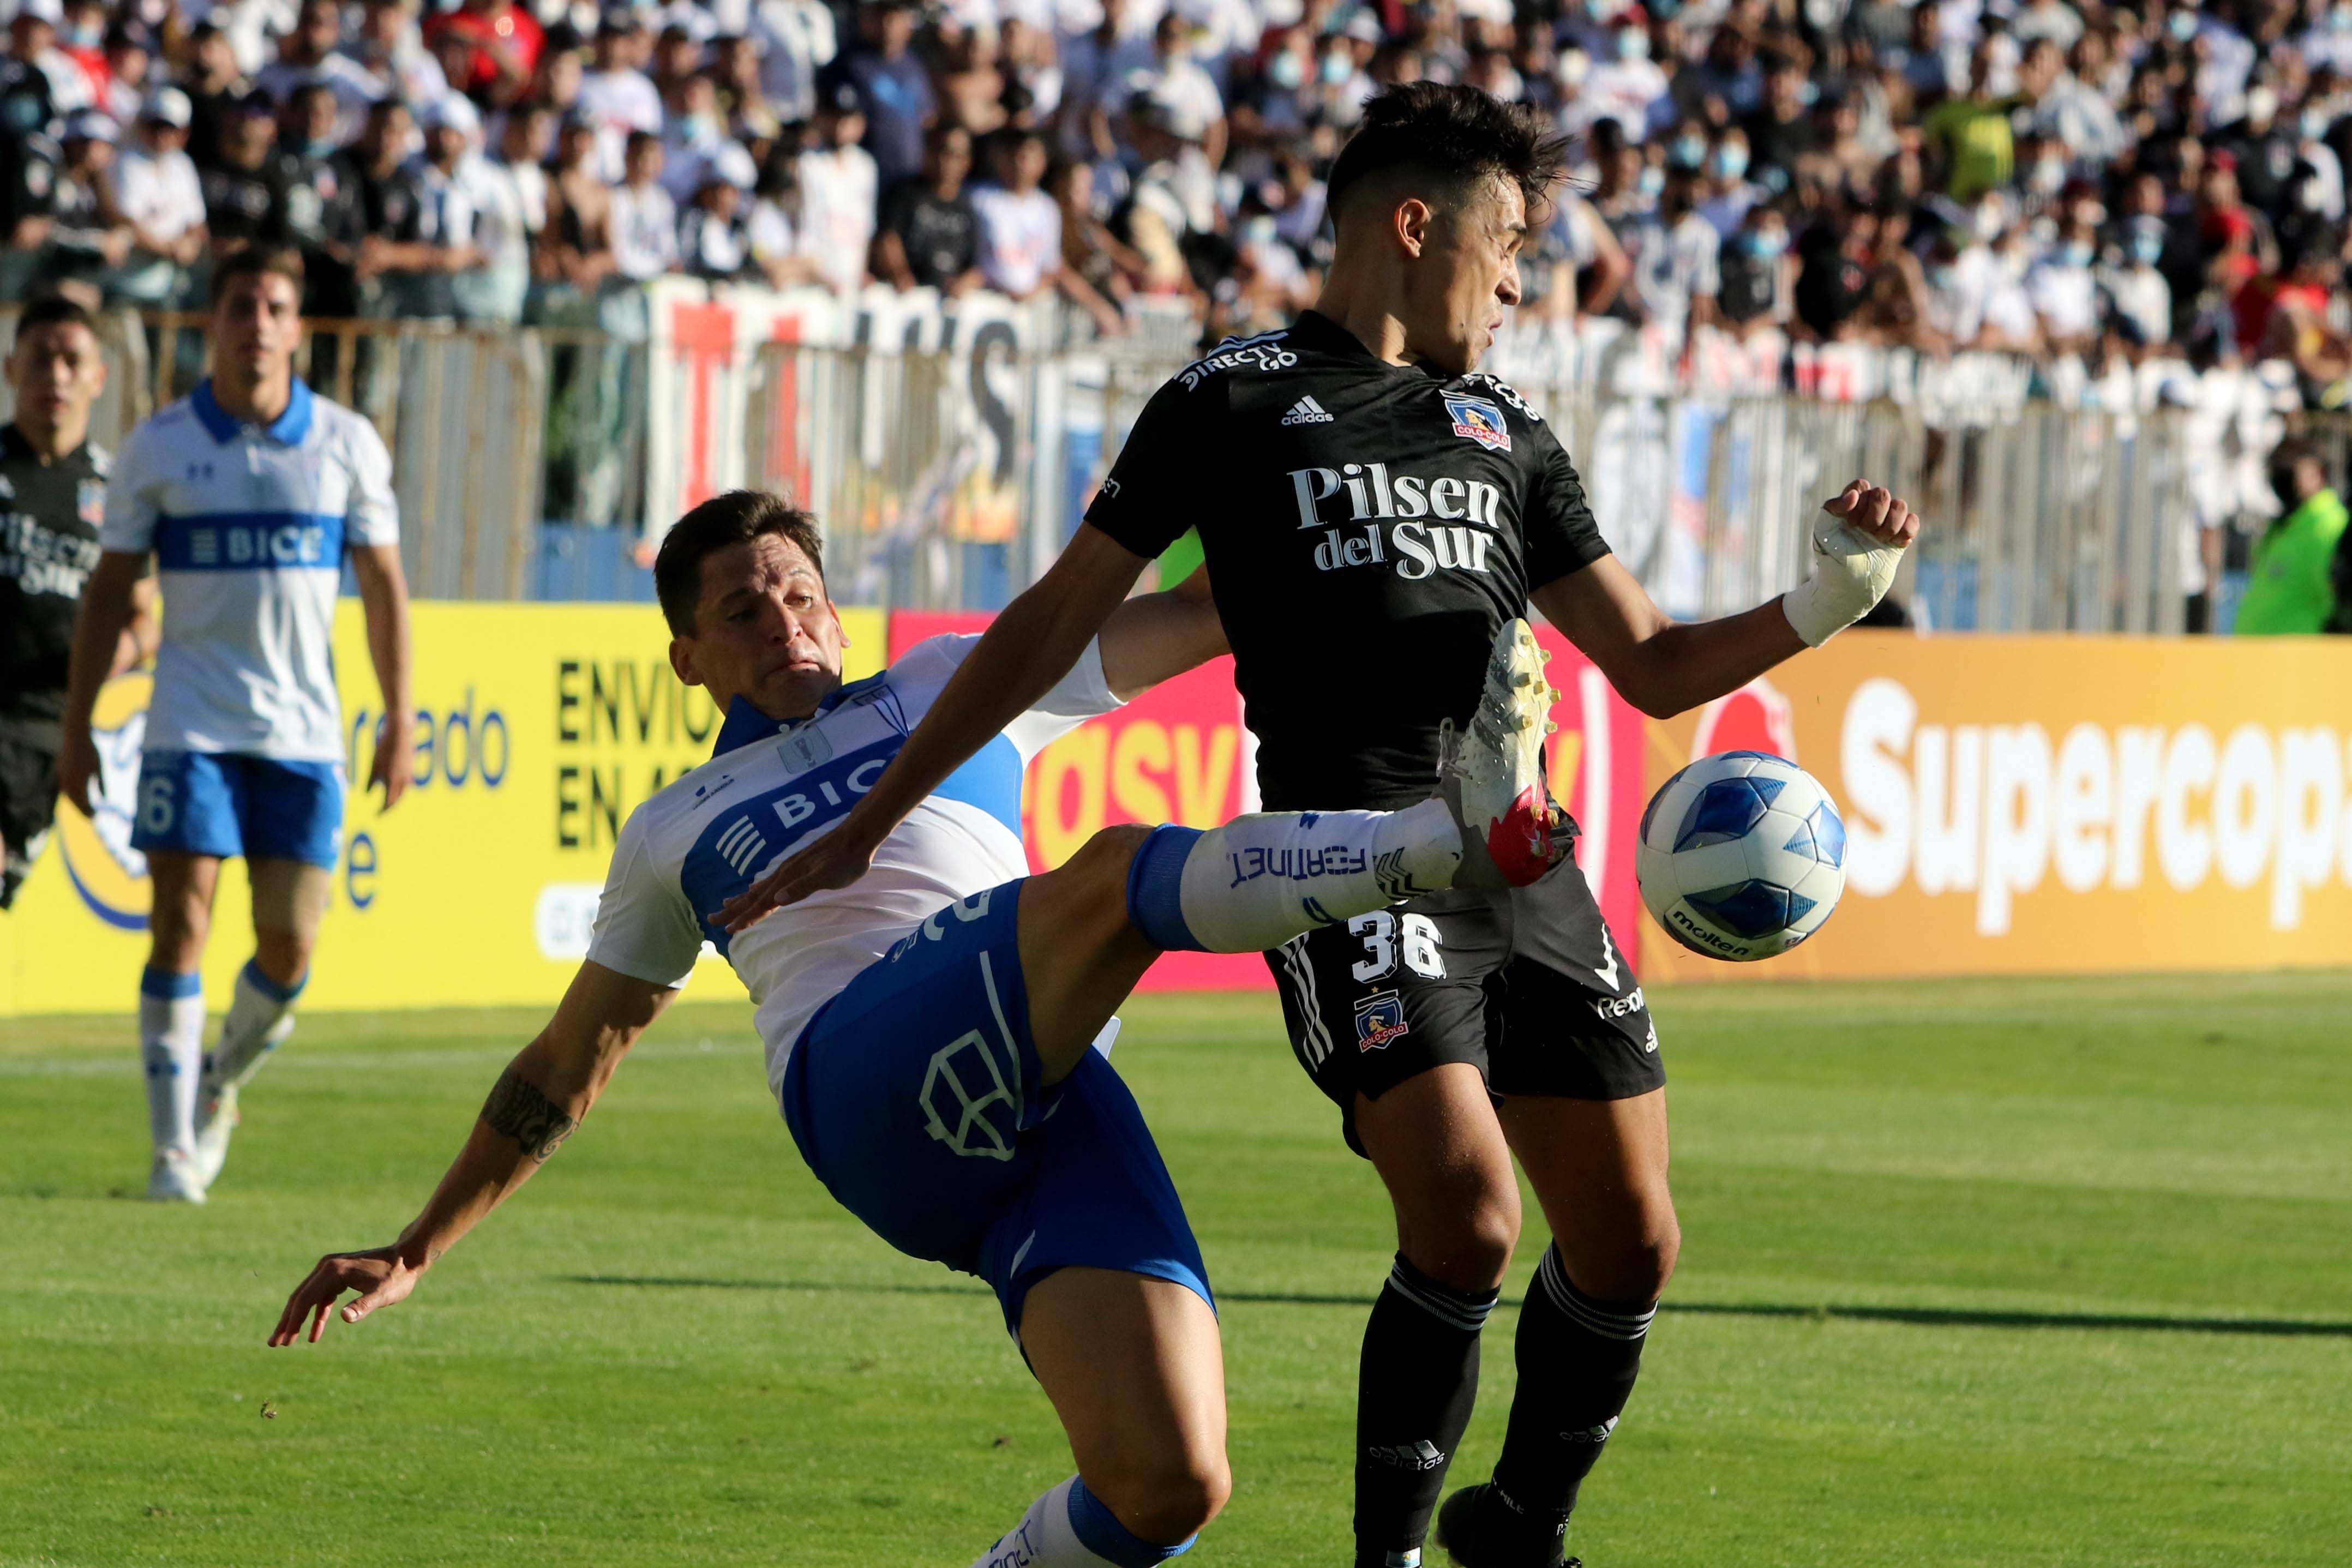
173, 1178
1491, 773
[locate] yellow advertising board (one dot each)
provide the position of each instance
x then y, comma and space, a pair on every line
540, 727
2058, 804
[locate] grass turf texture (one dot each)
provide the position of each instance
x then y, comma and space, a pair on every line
2004, 1273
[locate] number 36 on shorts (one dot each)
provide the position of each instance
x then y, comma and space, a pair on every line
1387, 937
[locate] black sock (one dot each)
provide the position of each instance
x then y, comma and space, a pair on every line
1419, 1379
1577, 1358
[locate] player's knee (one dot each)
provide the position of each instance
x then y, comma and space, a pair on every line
1169, 1496
1469, 1247
283, 955
1633, 1268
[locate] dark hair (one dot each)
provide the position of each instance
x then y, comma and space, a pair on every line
2292, 453
53, 310
258, 261
733, 518
1450, 134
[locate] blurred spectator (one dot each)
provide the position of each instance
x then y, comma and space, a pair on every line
159, 196
643, 219
319, 215
2289, 579
1756, 280
81, 240
217, 91
930, 235
893, 96
391, 48
714, 242
310, 55
838, 182
503, 45
1674, 253
617, 98
245, 188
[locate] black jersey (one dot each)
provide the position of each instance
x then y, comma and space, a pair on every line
1367, 528
49, 514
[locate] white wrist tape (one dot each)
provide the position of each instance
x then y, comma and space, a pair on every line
1852, 572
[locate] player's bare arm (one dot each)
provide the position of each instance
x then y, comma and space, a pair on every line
544, 1093
383, 600
110, 608
145, 635
1665, 667
1024, 651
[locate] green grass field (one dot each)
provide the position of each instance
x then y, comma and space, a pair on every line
2002, 1274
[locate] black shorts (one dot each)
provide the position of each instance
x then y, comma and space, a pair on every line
1526, 986
28, 804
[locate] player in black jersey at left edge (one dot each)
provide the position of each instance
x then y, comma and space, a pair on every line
1372, 510
52, 499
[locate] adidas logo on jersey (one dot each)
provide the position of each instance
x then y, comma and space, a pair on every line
1306, 410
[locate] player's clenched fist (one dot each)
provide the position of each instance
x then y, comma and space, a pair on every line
1858, 544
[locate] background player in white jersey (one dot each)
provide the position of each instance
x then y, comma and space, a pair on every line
937, 1035
249, 494
1363, 561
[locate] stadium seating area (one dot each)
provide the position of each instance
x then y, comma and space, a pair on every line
2043, 178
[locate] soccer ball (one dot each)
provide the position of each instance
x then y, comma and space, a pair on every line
1742, 856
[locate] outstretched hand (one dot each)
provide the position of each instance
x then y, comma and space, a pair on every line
836, 860
380, 1276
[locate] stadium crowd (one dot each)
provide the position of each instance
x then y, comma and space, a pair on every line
2041, 176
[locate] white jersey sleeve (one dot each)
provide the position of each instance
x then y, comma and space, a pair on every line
644, 928
374, 515
1080, 695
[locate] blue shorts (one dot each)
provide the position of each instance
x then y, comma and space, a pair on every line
226, 803
914, 1096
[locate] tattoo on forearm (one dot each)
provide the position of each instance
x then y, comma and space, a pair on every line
517, 1109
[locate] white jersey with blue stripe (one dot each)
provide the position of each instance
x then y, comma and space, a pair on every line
249, 524
772, 788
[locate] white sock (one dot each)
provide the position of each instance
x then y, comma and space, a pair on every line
261, 1017
171, 1052
1048, 1536
1259, 881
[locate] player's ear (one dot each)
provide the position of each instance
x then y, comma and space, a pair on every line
1412, 219
681, 660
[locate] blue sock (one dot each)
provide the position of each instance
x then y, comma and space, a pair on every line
1155, 889
1099, 1531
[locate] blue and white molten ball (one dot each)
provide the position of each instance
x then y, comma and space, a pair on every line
1742, 856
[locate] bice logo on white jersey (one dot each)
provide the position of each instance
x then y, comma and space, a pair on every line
1373, 495
1306, 410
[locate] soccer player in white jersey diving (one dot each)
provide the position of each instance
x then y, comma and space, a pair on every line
937, 1034
249, 494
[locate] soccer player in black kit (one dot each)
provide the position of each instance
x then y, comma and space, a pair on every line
52, 497
1372, 510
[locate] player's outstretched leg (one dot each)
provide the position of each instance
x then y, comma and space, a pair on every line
1135, 1370
289, 899
171, 1017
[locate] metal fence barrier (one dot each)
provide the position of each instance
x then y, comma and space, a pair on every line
949, 480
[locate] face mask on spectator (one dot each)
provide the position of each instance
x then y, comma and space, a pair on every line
1286, 70
2049, 176
1988, 222
1651, 181
1730, 162
2014, 262
1942, 275
2183, 24
84, 37
2315, 122
2147, 248
2078, 253
2339, 20
1337, 67
1768, 243
1633, 43
1690, 152
1258, 231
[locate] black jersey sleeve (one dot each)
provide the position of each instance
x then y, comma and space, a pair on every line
1562, 537
1154, 492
